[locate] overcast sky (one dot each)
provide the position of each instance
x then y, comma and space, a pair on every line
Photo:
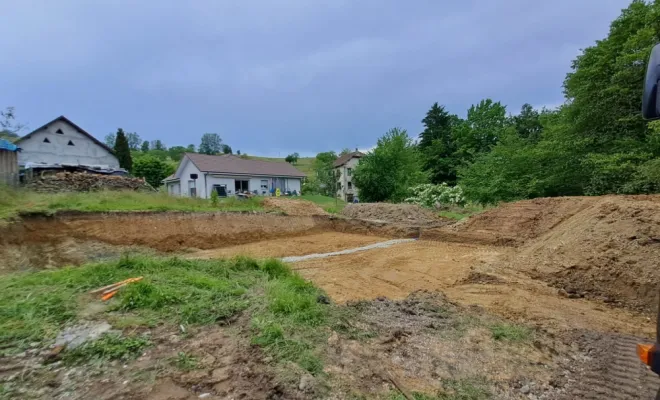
277, 76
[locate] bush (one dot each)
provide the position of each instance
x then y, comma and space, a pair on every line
214, 198
429, 195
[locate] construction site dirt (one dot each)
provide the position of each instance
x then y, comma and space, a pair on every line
582, 272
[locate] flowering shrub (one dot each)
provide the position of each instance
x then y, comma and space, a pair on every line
429, 195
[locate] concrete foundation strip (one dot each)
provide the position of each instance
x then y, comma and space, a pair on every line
380, 245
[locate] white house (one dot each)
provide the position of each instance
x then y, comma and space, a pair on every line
199, 174
344, 167
62, 142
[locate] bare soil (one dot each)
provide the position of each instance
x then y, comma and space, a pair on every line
325, 242
409, 214
293, 206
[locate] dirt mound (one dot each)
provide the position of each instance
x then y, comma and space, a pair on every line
609, 250
409, 214
83, 182
293, 207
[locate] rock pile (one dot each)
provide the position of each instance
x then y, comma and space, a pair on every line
85, 182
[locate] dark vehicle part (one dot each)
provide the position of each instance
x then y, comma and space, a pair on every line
651, 99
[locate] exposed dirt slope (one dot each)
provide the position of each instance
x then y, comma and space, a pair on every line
611, 250
409, 214
293, 206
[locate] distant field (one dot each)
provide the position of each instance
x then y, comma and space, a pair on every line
305, 164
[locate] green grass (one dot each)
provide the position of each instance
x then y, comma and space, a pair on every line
16, 201
185, 362
329, 204
287, 320
305, 164
463, 389
108, 347
511, 333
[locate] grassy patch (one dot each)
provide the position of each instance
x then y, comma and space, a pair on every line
108, 347
463, 389
185, 362
15, 201
287, 319
327, 203
510, 332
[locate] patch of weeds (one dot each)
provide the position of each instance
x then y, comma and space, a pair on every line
185, 362
108, 347
510, 332
344, 323
464, 389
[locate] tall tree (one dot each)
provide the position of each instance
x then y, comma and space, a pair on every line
528, 123
226, 149
122, 151
9, 128
190, 148
437, 144
110, 140
483, 127
134, 141
176, 152
292, 158
152, 170
145, 146
387, 172
158, 145
211, 144
324, 172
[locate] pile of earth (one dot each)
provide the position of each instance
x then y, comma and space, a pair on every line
606, 248
409, 214
293, 206
609, 250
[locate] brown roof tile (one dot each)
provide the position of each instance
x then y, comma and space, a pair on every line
230, 164
344, 159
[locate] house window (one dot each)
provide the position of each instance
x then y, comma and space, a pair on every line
264, 184
46, 140
59, 131
241, 186
192, 189
349, 171
350, 186
70, 143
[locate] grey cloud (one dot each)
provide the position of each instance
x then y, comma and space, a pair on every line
292, 75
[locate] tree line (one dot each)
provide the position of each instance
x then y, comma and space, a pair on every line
153, 160
595, 143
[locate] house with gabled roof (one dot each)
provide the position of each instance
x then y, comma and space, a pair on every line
344, 167
199, 174
61, 142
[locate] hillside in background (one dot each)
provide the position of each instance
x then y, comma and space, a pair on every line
304, 164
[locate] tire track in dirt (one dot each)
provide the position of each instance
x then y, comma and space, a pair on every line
612, 371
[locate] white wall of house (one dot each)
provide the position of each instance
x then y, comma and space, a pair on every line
345, 177
184, 178
82, 151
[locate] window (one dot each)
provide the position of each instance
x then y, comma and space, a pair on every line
349, 171
192, 190
46, 140
71, 143
241, 186
350, 186
59, 131
264, 184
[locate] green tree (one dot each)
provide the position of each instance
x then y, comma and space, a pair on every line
324, 172
152, 169
292, 158
211, 144
110, 140
238, 152
134, 141
9, 128
387, 172
484, 125
176, 152
122, 151
226, 149
145, 146
528, 123
438, 146
158, 145
345, 151
190, 148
